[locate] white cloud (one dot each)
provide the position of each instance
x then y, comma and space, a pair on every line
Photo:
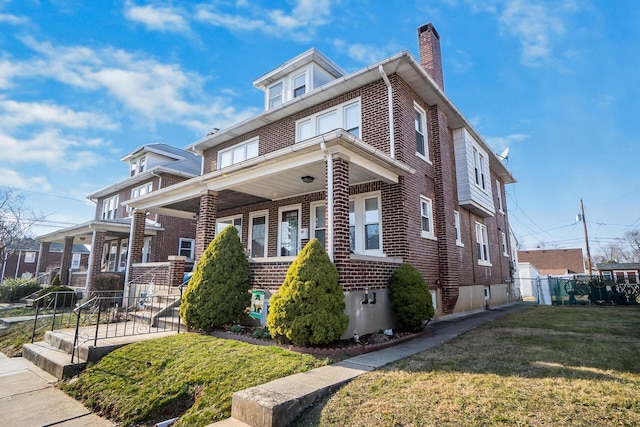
500, 143
16, 114
12, 19
48, 147
11, 178
298, 24
364, 53
157, 18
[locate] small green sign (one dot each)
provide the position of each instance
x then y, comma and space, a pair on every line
257, 304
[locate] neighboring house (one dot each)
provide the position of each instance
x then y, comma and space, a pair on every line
150, 168
533, 286
555, 262
22, 258
378, 164
626, 272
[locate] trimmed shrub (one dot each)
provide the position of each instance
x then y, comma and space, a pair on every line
309, 307
13, 290
218, 291
410, 298
66, 297
109, 284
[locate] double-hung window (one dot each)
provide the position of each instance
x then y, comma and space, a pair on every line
143, 189
238, 153
499, 194
422, 144
299, 85
223, 223
275, 95
482, 244
365, 230
426, 218
479, 168
138, 165
456, 221
110, 207
187, 248
344, 116
319, 222
503, 240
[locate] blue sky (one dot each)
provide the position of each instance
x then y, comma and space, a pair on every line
84, 83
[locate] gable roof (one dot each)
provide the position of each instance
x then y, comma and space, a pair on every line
554, 261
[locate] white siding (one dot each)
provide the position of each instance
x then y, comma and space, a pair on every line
471, 196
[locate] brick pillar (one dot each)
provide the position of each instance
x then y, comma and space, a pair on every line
341, 249
445, 201
65, 264
176, 270
206, 226
95, 257
43, 257
136, 240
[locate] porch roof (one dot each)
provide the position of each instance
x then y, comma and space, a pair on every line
84, 231
276, 175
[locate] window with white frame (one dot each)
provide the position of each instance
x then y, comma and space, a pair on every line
238, 153
110, 207
422, 144
365, 230
258, 235
479, 166
456, 221
426, 217
275, 94
499, 193
344, 116
319, 222
29, 257
503, 241
482, 244
299, 85
122, 264
187, 248
289, 231
75, 261
223, 223
137, 166
143, 189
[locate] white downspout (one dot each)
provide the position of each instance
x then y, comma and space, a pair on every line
323, 147
392, 139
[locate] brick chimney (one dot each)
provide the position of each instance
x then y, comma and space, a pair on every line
429, 47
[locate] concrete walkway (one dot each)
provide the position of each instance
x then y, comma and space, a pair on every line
29, 398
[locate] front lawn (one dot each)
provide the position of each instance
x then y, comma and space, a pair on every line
188, 375
551, 366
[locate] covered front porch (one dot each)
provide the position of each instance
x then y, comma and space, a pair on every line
330, 187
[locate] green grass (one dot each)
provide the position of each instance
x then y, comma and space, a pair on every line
560, 366
187, 375
17, 311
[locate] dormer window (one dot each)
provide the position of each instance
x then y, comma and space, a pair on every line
275, 95
299, 85
138, 165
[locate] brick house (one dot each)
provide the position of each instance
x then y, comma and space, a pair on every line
555, 262
620, 272
150, 168
378, 164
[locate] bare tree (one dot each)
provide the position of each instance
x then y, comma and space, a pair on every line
624, 249
16, 219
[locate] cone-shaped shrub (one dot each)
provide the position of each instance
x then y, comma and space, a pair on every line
309, 307
218, 292
410, 298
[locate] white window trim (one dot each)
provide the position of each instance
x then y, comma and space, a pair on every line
423, 113
482, 178
499, 193
312, 228
340, 118
110, 213
231, 219
29, 257
265, 214
304, 73
231, 149
136, 164
503, 242
75, 261
481, 235
282, 92
148, 188
431, 233
281, 209
192, 251
456, 221
359, 210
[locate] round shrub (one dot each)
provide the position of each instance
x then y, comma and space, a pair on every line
13, 290
218, 291
107, 284
410, 298
66, 297
309, 307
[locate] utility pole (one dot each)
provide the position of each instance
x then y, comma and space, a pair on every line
586, 239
